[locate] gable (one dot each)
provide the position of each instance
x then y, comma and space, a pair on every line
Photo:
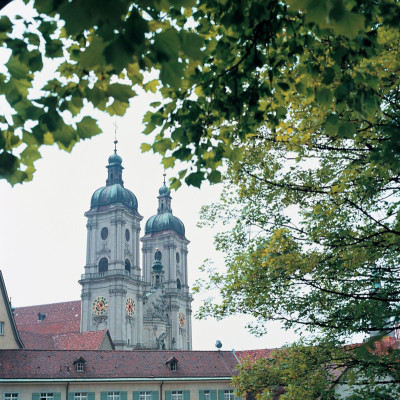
9, 337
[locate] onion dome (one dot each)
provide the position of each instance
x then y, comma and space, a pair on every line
164, 220
114, 191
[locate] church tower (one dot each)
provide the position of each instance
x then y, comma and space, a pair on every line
165, 267
112, 285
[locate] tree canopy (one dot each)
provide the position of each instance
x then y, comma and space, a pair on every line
224, 70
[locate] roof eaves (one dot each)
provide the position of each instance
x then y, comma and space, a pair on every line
9, 312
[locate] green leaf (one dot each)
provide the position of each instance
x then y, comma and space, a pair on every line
54, 49
167, 45
168, 162
16, 68
324, 96
152, 87
192, 44
93, 55
122, 93
347, 129
87, 128
195, 179
5, 24
214, 176
162, 145
171, 74
145, 147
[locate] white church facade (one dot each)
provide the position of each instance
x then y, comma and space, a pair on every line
144, 306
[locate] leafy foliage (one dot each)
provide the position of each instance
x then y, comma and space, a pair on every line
99, 56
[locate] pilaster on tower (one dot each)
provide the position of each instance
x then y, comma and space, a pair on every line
165, 240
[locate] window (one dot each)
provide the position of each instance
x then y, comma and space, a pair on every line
80, 396
174, 366
177, 394
113, 396
103, 265
46, 396
79, 366
144, 395
2, 331
228, 394
127, 265
11, 396
207, 395
104, 233
178, 284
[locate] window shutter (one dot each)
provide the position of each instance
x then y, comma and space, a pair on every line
103, 395
213, 394
167, 395
123, 395
201, 394
154, 395
35, 396
57, 396
186, 395
221, 394
71, 396
90, 395
136, 395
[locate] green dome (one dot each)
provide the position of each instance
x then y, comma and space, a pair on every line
164, 222
164, 191
114, 194
114, 159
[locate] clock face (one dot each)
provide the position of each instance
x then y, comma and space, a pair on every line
100, 306
182, 321
130, 307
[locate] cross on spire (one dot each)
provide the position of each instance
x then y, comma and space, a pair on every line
115, 136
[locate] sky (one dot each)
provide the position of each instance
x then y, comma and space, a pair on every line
43, 227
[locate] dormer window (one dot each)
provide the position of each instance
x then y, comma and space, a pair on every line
80, 364
41, 317
172, 363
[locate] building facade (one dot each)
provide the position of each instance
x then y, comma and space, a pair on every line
146, 307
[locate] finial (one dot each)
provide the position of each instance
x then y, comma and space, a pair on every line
164, 175
115, 136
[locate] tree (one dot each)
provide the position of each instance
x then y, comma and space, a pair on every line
100, 51
314, 204
224, 70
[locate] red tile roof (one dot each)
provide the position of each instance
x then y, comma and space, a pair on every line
59, 318
64, 341
58, 364
253, 355
79, 341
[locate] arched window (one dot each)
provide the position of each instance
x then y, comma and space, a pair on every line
178, 284
103, 265
127, 265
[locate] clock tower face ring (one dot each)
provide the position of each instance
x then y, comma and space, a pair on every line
100, 306
182, 320
130, 307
